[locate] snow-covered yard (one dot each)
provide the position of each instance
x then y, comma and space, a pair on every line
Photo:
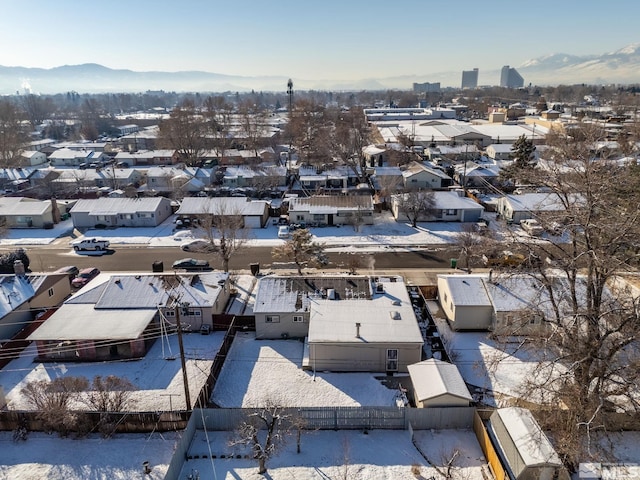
42, 456
486, 365
157, 377
259, 370
377, 454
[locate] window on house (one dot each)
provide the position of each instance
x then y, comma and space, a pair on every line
446, 299
298, 319
50, 292
272, 319
452, 212
169, 313
392, 359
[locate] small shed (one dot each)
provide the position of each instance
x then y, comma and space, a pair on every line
525, 447
438, 384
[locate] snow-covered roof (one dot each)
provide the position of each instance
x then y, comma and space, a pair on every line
293, 294
417, 168
12, 206
109, 205
532, 444
16, 290
84, 322
387, 317
467, 290
222, 206
120, 306
537, 202
330, 204
433, 378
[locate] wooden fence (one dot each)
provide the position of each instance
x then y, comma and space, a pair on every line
489, 451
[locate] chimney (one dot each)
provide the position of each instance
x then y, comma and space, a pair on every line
357, 330
55, 211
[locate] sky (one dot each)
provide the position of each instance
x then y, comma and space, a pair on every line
332, 39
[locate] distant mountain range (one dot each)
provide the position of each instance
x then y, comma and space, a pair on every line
620, 67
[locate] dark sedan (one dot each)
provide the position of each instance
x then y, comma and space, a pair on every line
191, 264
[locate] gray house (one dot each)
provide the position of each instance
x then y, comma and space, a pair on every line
332, 209
418, 176
121, 212
448, 207
348, 323
255, 213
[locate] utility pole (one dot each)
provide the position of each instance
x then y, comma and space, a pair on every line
290, 94
185, 378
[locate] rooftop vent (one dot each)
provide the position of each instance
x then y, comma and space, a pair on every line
395, 315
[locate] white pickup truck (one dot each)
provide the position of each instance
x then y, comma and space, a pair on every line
90, 244
532, 227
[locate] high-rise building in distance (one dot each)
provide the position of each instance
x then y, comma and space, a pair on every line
510, 78
470, 78
426, 87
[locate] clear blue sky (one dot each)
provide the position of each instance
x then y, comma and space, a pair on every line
331, 39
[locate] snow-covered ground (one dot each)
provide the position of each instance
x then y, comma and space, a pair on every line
42, 456
486, 365
329, 455
157, 377
260, 370
384, 233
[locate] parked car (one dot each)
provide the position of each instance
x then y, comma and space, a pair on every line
85, 276
192, 264
283, 231
70, 270
532, 227
183, 235
197, 245
90, 244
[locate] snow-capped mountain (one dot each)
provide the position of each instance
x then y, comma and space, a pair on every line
620, 66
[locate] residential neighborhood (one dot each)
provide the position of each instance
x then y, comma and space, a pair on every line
501, 344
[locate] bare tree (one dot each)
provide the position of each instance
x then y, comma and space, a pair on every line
53, 399
310, 129
302, 250
110, 394
415, 205
264, 431
218, 114
590, 322
185, 131
253, 121
471, 243
12, 136
350, 135
223, 223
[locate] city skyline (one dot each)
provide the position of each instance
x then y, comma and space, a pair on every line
331, 40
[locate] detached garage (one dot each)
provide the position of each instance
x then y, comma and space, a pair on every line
525, 447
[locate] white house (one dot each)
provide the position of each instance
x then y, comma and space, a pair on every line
66, 157
32, 158
418, 176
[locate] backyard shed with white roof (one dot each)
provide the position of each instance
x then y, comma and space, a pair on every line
438, 384
526, 448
